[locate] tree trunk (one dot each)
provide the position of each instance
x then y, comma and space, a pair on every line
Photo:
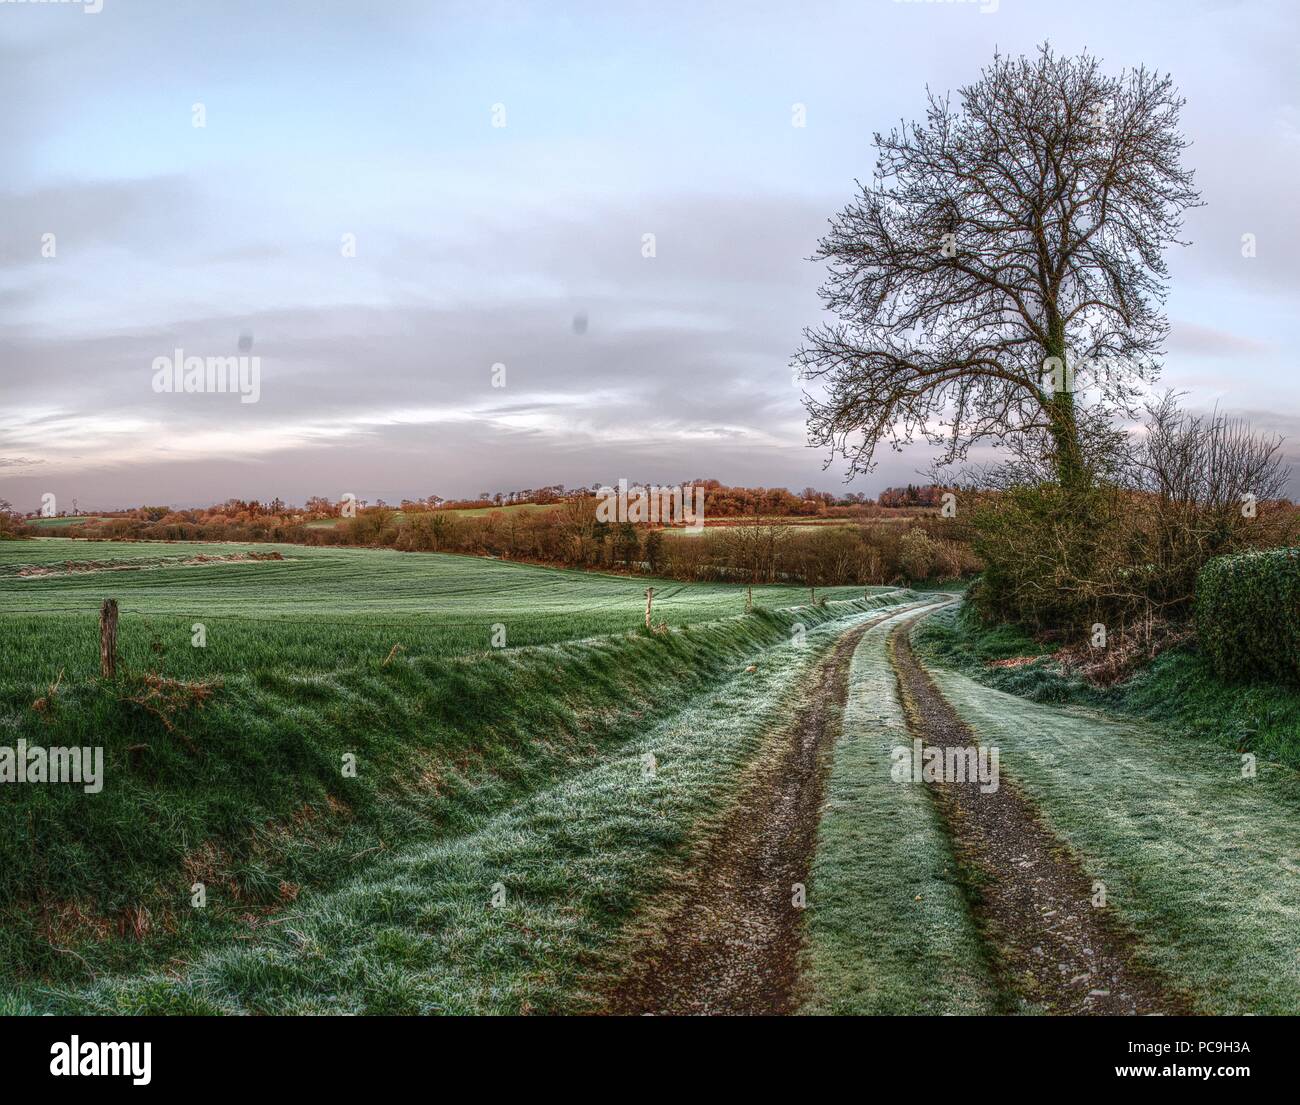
1064, 428
1068, 455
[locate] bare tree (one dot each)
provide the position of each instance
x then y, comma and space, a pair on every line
755, 545
1215, 486
1024, 223
1209, 461
9, 518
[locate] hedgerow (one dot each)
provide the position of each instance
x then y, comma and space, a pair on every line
1248, 614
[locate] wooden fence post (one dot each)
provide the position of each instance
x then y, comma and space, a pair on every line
649, 599
108, 639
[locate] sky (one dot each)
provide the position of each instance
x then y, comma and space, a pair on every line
385, 203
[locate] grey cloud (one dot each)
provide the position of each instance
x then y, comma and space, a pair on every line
376, 371
126, 213
1207, 341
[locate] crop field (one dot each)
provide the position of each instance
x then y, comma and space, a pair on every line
223, 760
466, 512
317, 609
60, 523
800, 522
508, 508
722, 525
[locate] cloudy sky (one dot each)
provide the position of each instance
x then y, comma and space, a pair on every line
522, 245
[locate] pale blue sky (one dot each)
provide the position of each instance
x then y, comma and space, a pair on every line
478, 244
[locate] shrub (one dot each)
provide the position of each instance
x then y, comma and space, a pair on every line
917, 555
1248, 614
1053, 557
1125, 550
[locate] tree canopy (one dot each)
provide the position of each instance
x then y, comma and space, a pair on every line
1005, 263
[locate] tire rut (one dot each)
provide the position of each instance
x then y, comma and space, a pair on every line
728, 940
1029, 892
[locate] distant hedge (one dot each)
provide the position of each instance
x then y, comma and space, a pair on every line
1248, 614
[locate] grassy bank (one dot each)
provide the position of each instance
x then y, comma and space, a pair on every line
888, 928
413, 930
246, 792
1178, 689
1197, 858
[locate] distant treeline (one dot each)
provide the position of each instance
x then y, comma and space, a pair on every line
722, 502
895, 548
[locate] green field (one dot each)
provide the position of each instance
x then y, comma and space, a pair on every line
792, 523
223, 763
520, 767
467, 512
318, 609
59, 523
510, 508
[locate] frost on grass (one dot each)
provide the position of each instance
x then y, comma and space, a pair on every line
1203, 863
888, 931
418, 933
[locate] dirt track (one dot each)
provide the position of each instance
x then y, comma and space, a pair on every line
1034, 901
727, 939
730, 940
